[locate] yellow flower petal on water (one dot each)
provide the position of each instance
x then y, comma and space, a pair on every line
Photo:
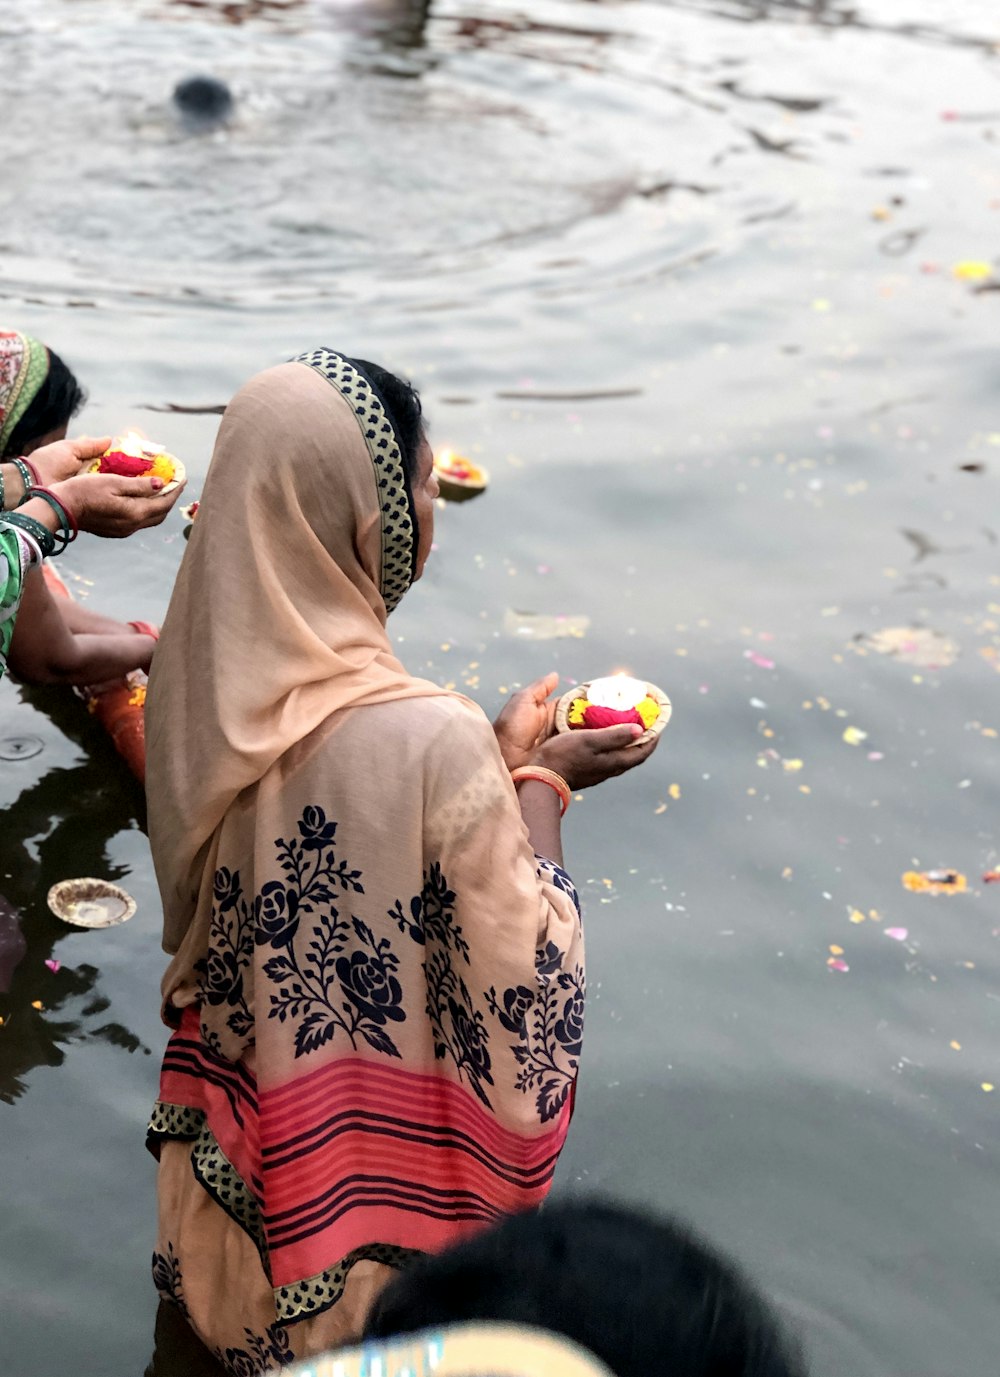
793, 764
857, 916
835, 950
987, 1086
955, 1046
854, 736
972, 270
37, 1004
674, 791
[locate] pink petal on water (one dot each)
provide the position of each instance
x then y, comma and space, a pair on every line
837, 963
761, 661
897, 934
53, 965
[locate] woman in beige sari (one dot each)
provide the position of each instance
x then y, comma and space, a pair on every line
377, 982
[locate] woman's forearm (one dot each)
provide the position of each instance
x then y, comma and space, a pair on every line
540, 809
13, 486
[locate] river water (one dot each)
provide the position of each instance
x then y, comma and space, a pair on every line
682, 275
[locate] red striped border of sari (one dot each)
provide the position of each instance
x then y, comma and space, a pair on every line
360, 1150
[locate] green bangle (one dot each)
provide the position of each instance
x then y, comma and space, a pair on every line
41, 534
26, 478
2, 495
66, 534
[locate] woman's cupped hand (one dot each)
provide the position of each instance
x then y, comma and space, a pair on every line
526, 721
526, 735
64, 458
586, 757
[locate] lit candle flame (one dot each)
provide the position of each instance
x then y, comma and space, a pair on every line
136, 445
618, 691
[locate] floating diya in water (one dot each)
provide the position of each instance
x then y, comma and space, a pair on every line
91, 903
131, 456
459, 478
611, 701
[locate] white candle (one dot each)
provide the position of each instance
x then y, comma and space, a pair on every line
616, 691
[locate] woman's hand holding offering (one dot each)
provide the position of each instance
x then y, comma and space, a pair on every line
108, 505
525, 722
587, 757
56, 462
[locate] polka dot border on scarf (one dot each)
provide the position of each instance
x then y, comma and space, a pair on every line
398, 532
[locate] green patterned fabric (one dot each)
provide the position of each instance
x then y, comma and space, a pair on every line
11, 580
24, 366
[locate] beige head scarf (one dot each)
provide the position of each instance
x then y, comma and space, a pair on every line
304, 542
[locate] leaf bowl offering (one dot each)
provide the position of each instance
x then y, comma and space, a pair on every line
133, 457
459, 478
611, 701
90, 903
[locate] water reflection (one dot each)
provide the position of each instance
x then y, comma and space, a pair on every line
60, 823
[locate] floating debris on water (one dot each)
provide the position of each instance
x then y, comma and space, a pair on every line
972, 270
914, 645
897, 934
935, 882
755, 658
544, 626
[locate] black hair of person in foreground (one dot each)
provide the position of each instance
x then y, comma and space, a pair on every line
50, 410
642, 1293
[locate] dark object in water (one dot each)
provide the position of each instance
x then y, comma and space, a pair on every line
12, 943
180, 410
203, 100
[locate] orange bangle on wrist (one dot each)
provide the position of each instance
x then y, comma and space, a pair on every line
543, 776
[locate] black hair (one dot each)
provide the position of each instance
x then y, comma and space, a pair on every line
642, 1293
58, 399
406, 415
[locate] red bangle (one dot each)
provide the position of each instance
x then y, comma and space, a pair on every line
146, 629
58, 503
543, 776
32, 470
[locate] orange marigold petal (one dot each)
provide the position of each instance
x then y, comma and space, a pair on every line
163, 467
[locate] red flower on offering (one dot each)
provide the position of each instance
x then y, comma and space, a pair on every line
594, 716
125, 465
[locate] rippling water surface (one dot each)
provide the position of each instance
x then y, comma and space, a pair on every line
681, 275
